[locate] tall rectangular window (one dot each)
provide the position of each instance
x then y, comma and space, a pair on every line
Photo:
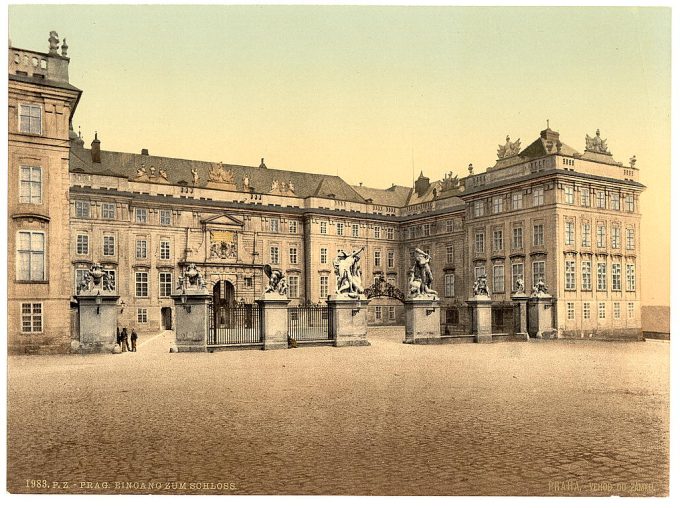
142, 316
602, 276
31, 317
497, 204
427, 230
109, 247
30, 119
586, 310
166, 217
274, 255
498, 278
479, 271
478, 210
292, 226
570, 275
498, 240
108, 211
630, 203
141, 215
630, 277
600, 197
449, 226
630, 239
390, 259
376, 232
586, 276
165, 250
323, 286
82, 245
340, 229
631, 310
82, 210
571, 311
517, 237
377, 258
141, 284
391, 314
601, 236
601, 310
355, 230
569, 233
479, 242
538, 196
538, 271
617, 310
390, 233
30, 185
585, 234
80, 276
538, 235
111, 274
31, 256
569, 195
615, 201
323, 227
140, 249
517, 273
616, 237
323, 255
516, 200
274, 224
293, 286
293, 257
449, 254
165, 284
585, 197
448, 285
378, 313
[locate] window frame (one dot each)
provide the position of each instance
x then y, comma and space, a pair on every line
31, 106
31, 317
30, 199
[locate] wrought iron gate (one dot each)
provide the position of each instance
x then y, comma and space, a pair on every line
233, 324
309, 323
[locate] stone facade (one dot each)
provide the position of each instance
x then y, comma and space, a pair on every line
145, 217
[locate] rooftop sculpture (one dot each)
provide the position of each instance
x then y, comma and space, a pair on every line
596, 144
509, 149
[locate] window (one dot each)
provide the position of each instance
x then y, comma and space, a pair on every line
602, 276
293, 255
108, 211
479, 242
376, 232
585, 234
82, 245
323, 227
274, 255
601, 310
31, 317
30, 185
479, 271
448, 285
569, 195
31, 256
355, 230
378, 313
517, 237
498, 278
390, 259
142, 316
140, 249
616, 237
538, 235
165, 250
517, 273
323, 286
390, 233
569, 233
412, 232
292, 226
586, 310
82, 210
630, 277
109, 247
497, 204
323, 255
478, 208
449, 226
449, 254
585, 197
630, 238
601, 236
615, 201
111, 274
538, 271
141, 284
80, 276
391, 314
571, 310
617, 310
516, 200
340, 229
538, 196
165, 284
427, 230
498, 240
274, 224
293, 286
599, 196
376, 258
141, 215
166, 218
30, 119
248, 282
630, 203
586, 276
570, 275
631, 310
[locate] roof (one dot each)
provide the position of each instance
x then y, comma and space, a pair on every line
396, 196
43, 82
125, 165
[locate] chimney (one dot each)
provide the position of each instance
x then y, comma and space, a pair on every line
145, 151
262, 164
95, 149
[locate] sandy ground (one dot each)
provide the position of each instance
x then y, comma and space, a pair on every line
537, 418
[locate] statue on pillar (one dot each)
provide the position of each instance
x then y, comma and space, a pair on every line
95, 279
191, 278
423, 272
519, 285
348, 273
277, 281
480, 287
540, 288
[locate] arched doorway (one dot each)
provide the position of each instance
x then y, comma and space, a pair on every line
223, 303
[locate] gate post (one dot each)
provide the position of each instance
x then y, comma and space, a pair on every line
541, 315
423, 319
481, 318
98, 313
347, 320
191, 309
274, 320
521, 314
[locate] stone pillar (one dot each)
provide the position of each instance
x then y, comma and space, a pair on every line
423, 321
481, 318
98, 314
191, 321
521, 314
274, 320
540, 323
347, 320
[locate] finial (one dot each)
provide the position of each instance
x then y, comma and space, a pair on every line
548, 123
262, 164
95, 136
507, 138
54, 42
470, 168
79, 135
597, 132
64, 48
633, 160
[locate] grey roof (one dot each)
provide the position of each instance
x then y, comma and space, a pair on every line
396, 196
125, 165
43, 82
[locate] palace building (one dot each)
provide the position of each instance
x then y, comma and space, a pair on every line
549, 211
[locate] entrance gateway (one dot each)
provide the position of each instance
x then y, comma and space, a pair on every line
166, 318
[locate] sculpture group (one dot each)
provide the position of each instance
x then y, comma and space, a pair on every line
348, 273
420, 276
95, 279
277, 281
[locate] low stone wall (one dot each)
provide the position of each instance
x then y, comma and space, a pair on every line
656, 335
622, 334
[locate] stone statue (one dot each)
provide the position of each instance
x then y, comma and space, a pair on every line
141, 172
95, 278
246, 183
194, 176
291, 187
348, 273
64, 48
163, 174
218, 174
191, 278
152, 170
277, 281
471, 169
540, 288
54, 41
422, 271
413, 283
275, 186
519, 285
596, 144
633, 160
480, 287
509, 149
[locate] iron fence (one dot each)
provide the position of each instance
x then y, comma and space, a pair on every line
233, 324
309, 322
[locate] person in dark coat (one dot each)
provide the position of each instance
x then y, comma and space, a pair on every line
124, 344
133, 339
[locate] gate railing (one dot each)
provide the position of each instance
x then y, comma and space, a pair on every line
233, 324
308, 322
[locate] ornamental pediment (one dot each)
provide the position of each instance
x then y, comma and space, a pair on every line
222, 220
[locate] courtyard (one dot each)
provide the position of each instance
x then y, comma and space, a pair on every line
543, 418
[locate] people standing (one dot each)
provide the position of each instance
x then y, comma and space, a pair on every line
133, 340
124, 344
